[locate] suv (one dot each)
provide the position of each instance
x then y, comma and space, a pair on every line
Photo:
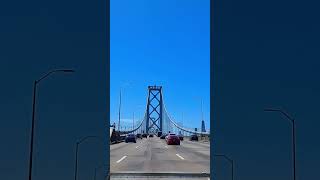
131, 138
139, 136
144, 135
194, 137
173, 139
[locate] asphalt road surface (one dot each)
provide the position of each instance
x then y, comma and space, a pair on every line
153, 155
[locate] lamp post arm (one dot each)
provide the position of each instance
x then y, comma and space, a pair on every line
287, 115
229, 160
53, 71
293, 137
87, 137
226, 157
46, 75
282, 112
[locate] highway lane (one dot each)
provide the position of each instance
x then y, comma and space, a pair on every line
154, 155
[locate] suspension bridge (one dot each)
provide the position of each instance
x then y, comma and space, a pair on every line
153, 154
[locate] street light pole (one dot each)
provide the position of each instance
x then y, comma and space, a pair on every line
229, 160
34, 111
32, 129
76, 162
293, 136
294, 148
119, 111
182, 123
95, 172
77, 148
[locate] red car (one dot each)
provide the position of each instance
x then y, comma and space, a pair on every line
172, 139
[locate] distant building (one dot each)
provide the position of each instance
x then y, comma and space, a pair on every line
203, 128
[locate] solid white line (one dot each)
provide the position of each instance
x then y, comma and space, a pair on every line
180, 156
121, 159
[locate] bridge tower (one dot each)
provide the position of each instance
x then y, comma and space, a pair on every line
154, 109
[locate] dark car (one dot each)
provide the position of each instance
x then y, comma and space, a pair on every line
139, 136
144, 135
151, 135
163, 136
173, 140
180, 137
194, 137
122, 137
131, 138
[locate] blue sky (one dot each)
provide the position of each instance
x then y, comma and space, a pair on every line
162, 43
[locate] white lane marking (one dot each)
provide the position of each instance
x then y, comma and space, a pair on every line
180, 156
166, 146
208, 178
121, 159
137, 147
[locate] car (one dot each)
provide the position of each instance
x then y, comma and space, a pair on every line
194, 137
144, 135
151, 135
172, 134
172, 139
131, 138
159, 133
163, 136
180, 137
122, 137
139, 136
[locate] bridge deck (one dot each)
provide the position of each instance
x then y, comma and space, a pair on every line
152, 155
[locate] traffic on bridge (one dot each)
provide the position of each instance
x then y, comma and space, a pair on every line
158, 144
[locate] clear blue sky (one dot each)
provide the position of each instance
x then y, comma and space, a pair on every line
161, 42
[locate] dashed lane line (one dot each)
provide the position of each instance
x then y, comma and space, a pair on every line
121, 159
180, 156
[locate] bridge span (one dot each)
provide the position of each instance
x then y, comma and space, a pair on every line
153, 154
